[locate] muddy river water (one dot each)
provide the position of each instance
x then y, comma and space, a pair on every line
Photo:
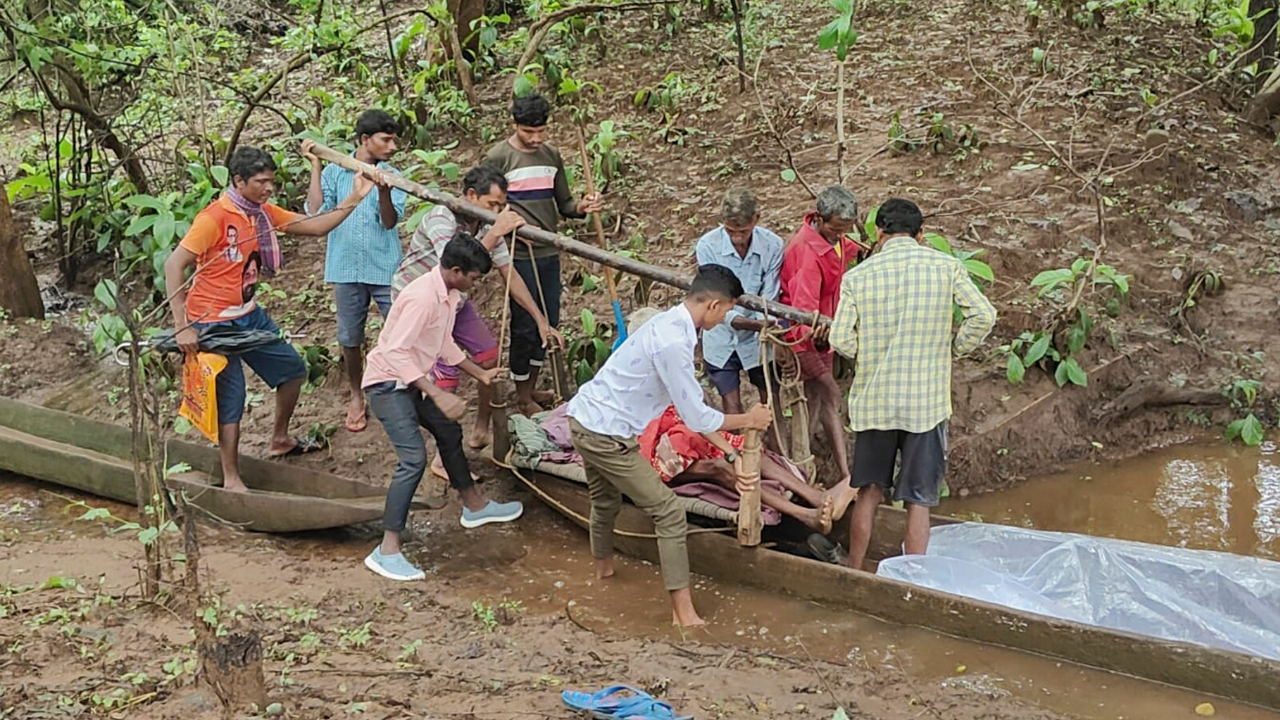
1203, 496
1207, 495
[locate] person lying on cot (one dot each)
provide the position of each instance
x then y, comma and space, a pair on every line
682, 456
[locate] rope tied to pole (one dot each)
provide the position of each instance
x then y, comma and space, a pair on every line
772, 341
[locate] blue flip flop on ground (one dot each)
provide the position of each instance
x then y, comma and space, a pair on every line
620, 702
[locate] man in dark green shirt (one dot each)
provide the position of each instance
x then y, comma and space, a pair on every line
538, 189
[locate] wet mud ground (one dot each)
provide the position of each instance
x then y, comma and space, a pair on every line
506, 619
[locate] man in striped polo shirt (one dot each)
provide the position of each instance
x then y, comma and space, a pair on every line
538, 189
485, 187
362, 252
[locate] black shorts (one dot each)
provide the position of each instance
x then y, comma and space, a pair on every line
924, 463
728, 378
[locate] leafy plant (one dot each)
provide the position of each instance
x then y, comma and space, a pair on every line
1034, 12
589, 347
1068, 288
978, 269
1206, 283
1234, 21
1082, 271
603, 148
409, 651
1040, 58
1243, 393
485, 614
1027, 350
433, 166
943, 137
491, 616
319, 361
666, 95
162, 220
869, 229
356, 637
839, 35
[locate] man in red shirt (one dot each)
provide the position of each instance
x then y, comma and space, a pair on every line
812, 266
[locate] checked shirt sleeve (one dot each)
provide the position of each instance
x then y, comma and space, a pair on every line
978, 312
844, 327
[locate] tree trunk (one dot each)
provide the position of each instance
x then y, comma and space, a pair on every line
1264, 30
464, 13
1266, 103
19, 291
231, 667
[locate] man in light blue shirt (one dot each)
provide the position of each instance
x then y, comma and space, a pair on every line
364, 251
754, 254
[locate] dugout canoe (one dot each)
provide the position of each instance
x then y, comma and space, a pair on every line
1231, 675
94, 457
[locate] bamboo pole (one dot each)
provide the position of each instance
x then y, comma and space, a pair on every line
801, 434
600, 240
498, 416
573, 247
747, 467
559, 374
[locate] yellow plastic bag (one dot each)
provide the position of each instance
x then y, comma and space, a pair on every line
199, 391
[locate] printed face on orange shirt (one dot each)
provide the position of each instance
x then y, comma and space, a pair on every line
249, 277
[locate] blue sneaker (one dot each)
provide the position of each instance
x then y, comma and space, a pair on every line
392, 567
493, 512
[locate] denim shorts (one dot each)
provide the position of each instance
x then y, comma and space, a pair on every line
276, 364
353, 309
728, 379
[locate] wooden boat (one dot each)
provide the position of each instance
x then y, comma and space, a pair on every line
1232, 675
94, 457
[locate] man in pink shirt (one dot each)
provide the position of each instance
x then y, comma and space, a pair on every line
812, 267
418, 332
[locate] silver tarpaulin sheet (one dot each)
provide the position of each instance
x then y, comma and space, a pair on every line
1209, 598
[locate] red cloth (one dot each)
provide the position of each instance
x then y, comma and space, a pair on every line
816, 363
688, 444
811, 273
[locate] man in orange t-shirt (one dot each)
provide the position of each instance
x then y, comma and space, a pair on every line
231, 243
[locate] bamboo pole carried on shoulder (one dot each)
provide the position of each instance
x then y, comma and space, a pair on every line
573, 247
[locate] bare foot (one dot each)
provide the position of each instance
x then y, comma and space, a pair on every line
357, 415
819, 518
842, 496
235, 485
604, 568
480, 438
528, 408
544, 397
682, 612
437, 469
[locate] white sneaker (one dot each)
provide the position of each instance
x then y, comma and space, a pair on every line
393, 567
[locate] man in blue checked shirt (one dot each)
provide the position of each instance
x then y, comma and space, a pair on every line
754, 254
364, 251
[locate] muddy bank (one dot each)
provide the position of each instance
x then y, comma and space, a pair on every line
468, 642
506, 619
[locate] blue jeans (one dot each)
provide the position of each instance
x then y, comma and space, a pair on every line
276, 364
352, 300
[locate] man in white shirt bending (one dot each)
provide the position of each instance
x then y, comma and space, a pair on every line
650, 371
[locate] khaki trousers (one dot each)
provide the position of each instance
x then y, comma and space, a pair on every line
614, 468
